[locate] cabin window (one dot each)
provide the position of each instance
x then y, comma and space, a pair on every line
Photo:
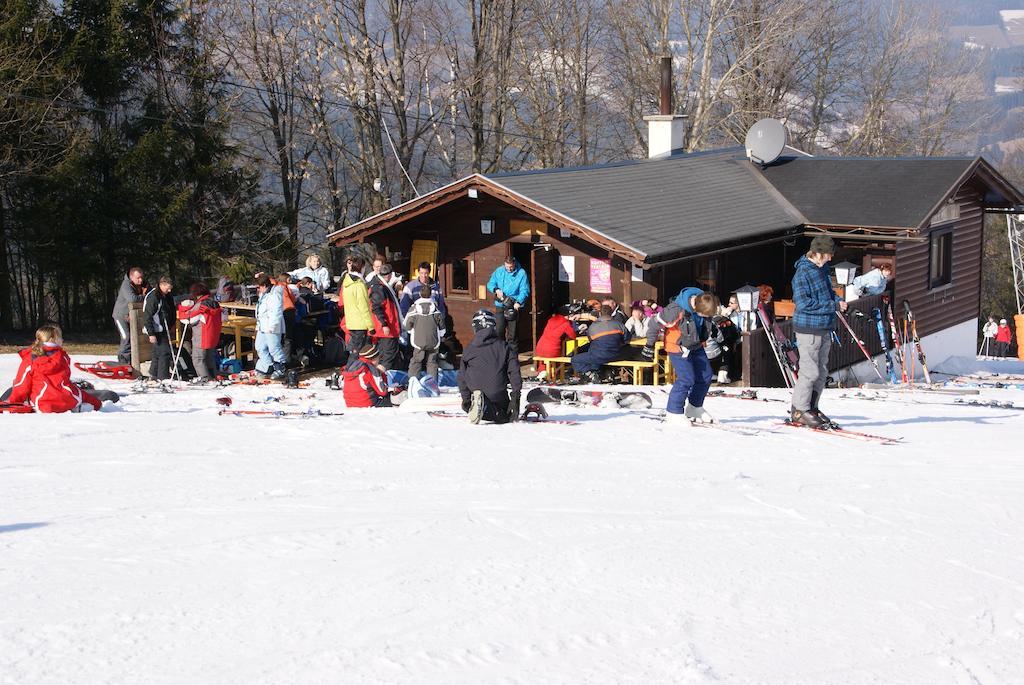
458, 276
940, 270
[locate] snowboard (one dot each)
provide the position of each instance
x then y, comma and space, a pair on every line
595, 398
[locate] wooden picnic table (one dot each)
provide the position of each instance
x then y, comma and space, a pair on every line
241, 327
234, 307
660, 368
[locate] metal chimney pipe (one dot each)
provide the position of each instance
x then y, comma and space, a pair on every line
666, 86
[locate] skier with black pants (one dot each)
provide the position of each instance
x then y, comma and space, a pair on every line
814, 319
488, 368
159, 319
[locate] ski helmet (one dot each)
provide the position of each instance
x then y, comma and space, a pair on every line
483, 318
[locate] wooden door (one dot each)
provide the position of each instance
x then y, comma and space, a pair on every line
544, 271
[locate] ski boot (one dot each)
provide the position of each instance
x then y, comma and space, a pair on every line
291, 378
673, 419
826, 422
476, 409
804, 418
698, 414
277, 373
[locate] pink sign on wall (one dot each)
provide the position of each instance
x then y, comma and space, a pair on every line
600, 276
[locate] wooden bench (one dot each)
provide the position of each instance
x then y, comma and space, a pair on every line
556, 366
638, 366
638, 369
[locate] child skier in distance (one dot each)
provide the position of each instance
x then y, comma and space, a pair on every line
1004, 336
426, 328
365, 380
988, 331
488, 368
44, 377
686, 323
202, 312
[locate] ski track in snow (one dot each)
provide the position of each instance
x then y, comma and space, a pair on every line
161, 543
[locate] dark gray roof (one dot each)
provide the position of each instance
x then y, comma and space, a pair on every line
882, 192
665, 206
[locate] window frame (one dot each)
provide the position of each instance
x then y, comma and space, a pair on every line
449, 280
936, 283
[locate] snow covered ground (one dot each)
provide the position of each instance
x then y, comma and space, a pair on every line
162, 543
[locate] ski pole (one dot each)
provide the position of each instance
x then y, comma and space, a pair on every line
177, 356
862, 346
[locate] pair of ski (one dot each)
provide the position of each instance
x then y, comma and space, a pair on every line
846, 433
895, 354
746, 431
278, 414
783, 349
742, 395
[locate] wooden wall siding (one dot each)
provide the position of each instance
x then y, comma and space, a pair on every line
456, 227
960, 301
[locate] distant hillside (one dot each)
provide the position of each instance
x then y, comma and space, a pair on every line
975, 12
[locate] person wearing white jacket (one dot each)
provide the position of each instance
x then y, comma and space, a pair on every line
269, 329
989, 331
873, 282
320, 275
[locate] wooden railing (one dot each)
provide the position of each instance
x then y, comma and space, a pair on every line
761, 370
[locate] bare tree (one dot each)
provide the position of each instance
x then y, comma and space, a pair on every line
261, 44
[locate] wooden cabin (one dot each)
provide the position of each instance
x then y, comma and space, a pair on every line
647, 228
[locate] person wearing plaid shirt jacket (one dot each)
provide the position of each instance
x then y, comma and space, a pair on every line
813, 322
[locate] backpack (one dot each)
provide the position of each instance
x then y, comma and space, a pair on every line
335, 353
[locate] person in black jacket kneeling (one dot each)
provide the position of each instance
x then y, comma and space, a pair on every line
489, 367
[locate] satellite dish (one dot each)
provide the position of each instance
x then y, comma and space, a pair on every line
765, 141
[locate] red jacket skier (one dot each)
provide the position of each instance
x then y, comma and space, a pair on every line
364, 382
1003, 333
44, 378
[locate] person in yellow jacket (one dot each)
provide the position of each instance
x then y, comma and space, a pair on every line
354, 304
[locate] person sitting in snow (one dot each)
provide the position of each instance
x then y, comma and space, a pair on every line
365, 380
687, 324
44, 377
488, 368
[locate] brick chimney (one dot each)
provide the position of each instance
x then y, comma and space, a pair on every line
665, 130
